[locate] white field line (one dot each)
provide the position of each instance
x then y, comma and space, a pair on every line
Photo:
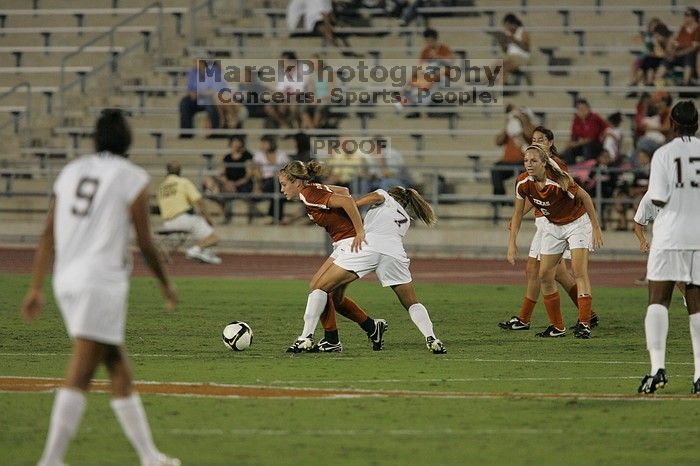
51, 383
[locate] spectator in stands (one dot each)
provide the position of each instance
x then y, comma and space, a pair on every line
346, 166
319, 85
587, 130
656, 126
435, 51
683, 49
316, 16
516, 45
237, 175
631, 192
302, 142
199, 99
177, 198
386, 168
514, 138
287, 114
417, 92
637, 75
613, 136
251, 88
267, 161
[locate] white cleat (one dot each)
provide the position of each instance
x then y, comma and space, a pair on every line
162, 460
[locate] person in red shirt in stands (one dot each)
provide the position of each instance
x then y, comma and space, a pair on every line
587, 132
683, 48
435, 51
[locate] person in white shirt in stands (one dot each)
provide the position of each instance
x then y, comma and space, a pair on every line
95, 198
177, 198
517, 48
674, 256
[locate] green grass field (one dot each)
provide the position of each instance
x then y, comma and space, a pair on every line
580, 428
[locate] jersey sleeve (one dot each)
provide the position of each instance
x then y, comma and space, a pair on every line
645, 211
139, 179
521, 187
316, 196
659, 179
191, 191
382, 193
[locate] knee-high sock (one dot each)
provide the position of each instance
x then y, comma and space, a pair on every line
350, 309
314, 308
526, 309
419, 316
68, 408
328, 316
552, 304
695, 338
132, 417
585, 303
656, 329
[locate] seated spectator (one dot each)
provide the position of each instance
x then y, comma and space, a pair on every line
268, 160
287, 115
656, 126
236, 176
434, 51
516, 45
315, 16
346, 167
631, 191
513, 139
386, 168
683, 49
315, 115
198, 100
587, 130
647, 36
613, 136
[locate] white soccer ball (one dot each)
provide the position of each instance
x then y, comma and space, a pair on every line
237, 336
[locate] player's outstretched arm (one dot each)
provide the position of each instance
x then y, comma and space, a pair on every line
139, 216
369, 199
34, 300
515, 221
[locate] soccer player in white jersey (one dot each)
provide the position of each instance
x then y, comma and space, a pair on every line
95, 198
674, 256
385, 224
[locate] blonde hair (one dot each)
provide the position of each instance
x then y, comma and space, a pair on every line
414, 203
563, 178
298, 170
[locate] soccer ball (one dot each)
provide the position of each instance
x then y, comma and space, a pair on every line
237, 336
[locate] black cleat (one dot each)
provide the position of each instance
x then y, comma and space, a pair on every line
582, 331
696, 388
301, 345
377, 337
551, 332
435, 345
514, 323
324, 346
651, 383
594, 320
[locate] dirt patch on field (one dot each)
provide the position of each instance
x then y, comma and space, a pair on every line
490, 272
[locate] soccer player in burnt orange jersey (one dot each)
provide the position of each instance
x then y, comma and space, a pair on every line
571, 220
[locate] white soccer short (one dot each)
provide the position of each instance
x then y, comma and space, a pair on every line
195, 224
536, 243
575, 235
674, 265
390, 270
97, 314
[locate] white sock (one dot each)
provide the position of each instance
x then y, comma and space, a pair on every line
656, 329
132, 417
695, 339
315, 305
419, 316
68, 408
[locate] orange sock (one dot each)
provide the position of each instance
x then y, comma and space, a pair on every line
328, 317
552, 304
585, 303
526, 309
349, 308
573, 294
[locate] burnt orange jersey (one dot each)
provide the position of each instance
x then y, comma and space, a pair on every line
565, 167
336, 221
558, 206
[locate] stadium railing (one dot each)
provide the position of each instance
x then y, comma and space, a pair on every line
18, 112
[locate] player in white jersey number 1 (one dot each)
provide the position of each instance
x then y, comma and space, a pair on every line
674, 256
95, 198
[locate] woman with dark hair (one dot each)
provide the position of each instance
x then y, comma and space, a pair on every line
545, 137
386, 222
516, 45
571, 223
95, 200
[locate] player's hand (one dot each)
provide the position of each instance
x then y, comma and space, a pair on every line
32, 305
644, 246
512, 254
170, 296
597, 238
357, 242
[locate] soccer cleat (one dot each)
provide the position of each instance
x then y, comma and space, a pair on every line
696, 388
435, 345
514, 323
650, 383
377, 337
551, 332
301, 344
324, 346
209, 257
161, 460
582, 331
594, 320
